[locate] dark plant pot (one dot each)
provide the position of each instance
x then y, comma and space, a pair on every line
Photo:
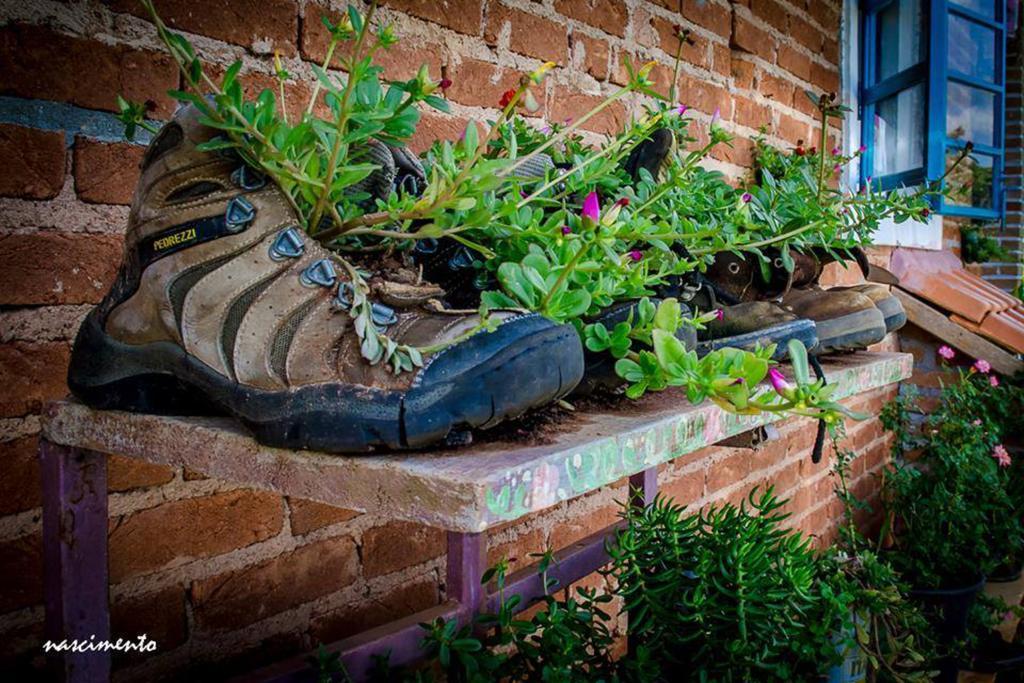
954, 604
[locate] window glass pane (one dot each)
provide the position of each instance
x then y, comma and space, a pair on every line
970, 183
970, 114
986, 8
899, 132
972, 48
900, 38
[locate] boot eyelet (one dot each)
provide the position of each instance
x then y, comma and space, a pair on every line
248, 178
382, 315
287, 244
461, 259
778, 263
734, 268
239, 214
319, 274
343, 297
425, 246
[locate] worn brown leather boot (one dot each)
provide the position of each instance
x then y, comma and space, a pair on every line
845, 320
223, 302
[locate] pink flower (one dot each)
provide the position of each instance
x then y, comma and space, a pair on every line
716, 117
993, 380
623, 202
720, 314
1001, 456
976, 423
591, 209
946, 352
779, 383
566, 230
681, 109
982, 366
445, 83
636, 255
747, 197
835, 151
862, 149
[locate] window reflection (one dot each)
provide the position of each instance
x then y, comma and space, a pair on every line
970, 114
970, 183
972, 49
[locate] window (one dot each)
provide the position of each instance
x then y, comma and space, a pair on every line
932, 76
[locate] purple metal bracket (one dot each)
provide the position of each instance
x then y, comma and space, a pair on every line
467, 597
75, 556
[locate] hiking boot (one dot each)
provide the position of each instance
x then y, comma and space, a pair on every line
845, 320
223, 302
745, 325
807, 270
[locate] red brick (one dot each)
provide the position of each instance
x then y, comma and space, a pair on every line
253, 593
125, 474
742, 73
750, 38
263, 25
732, 468
595, 55
722, 59
309, 515
397, 545
106, 172
805, 33
193, 528
611, 16
771, 12
517, 550
481, 84
751, 114
55, 268
436, 127
407, 598
19, 485
159, 615
584, 524
33, 162
463, 16
43, 64
33, 374
685, 489
695, 51
530, 34
775, 88
566, 105
825, 78
711, 15
703, 96
825, 15
794, 62
21, 565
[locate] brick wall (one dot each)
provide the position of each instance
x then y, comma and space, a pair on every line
224, 577
1008, 273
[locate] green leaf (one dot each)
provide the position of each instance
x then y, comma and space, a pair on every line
798, 359
669, 316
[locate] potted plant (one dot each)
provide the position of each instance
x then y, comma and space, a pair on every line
728, 594
951, 518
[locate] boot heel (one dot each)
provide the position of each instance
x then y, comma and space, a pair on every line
157, 394
108, 375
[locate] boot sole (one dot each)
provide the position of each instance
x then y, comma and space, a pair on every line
850, 332
480, 382
802, 330
892, 311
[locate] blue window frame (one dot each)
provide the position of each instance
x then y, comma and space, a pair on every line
933, 77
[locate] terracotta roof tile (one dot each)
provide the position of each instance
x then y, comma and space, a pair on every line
977, 305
